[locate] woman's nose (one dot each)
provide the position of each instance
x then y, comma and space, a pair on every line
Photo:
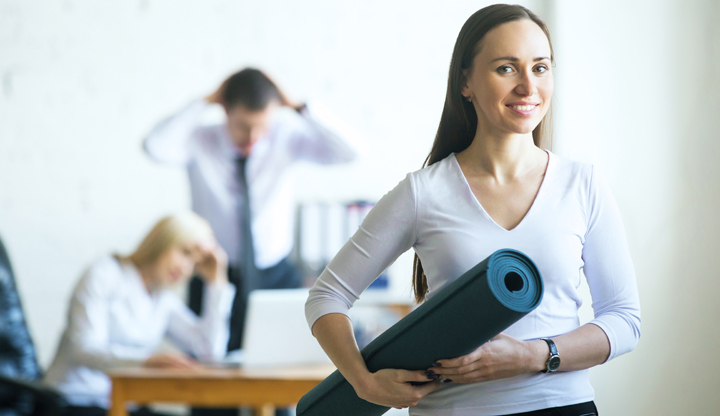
526, 85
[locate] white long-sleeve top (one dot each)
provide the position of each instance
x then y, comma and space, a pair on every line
115, 322
573, 225
314, 135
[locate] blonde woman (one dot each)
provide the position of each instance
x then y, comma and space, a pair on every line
122, 309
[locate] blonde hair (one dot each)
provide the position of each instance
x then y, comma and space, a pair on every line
171, 231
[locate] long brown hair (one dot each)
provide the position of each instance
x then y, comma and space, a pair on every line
458, 122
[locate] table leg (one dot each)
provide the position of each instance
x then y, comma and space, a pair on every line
117, 407
264, 410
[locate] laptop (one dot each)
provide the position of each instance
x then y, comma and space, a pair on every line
276, 332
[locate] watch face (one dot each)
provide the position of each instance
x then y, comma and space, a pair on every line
553, 363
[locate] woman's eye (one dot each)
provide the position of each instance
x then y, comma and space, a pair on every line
505, 69
541, 69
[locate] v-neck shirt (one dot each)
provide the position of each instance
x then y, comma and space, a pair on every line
484, 211
573, 226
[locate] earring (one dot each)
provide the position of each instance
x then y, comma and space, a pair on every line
469, 99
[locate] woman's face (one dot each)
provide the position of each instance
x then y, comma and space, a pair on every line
176, 265
511, 81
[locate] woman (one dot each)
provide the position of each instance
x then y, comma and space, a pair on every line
122, 309
488, 185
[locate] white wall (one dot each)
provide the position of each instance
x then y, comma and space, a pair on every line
81, 82
637, 94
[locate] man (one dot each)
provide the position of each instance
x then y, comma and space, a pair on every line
240, 178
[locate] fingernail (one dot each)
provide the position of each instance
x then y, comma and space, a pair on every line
437, 364
431, 375
447, 380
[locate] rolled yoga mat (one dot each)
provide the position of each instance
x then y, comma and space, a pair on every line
465, 314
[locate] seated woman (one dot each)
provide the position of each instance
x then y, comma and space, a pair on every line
122, 309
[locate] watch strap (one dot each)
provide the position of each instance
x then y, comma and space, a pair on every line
553, 353
551, 345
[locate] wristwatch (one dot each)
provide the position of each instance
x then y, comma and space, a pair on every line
554, 361
301, 108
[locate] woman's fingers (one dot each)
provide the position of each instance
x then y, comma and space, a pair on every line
219, 255
406, 376
183, 363
463, 362
211, 253
468, 368
213, 267
467, 361
501, 357
171, 361
187, 363
428, 388
393, 388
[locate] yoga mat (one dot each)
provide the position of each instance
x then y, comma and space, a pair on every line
465, 314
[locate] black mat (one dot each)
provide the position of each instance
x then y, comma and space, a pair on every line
464, 315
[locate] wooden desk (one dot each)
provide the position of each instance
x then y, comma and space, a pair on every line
260, 389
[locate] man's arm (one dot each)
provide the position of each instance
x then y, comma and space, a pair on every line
323, 138
170, 141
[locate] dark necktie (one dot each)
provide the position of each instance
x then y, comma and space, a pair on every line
249, 273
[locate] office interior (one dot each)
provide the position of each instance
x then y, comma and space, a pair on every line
636, 94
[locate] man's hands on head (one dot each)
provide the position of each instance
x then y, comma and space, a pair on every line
216, 97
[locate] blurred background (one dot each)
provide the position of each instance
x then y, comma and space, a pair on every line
637, 94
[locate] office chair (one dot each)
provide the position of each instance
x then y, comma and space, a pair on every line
20, 391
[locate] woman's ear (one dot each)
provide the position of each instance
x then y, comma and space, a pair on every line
465, 90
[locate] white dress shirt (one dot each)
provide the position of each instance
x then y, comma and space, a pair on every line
115, 322
210, 158
573, 225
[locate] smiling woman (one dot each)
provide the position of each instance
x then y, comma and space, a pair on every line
487, 185
513, 92
500, 84
121, 310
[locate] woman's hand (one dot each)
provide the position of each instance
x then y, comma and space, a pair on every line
171, 361
392, 388
212, 265
501, 357
385, 387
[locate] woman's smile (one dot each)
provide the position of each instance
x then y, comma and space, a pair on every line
524, 108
